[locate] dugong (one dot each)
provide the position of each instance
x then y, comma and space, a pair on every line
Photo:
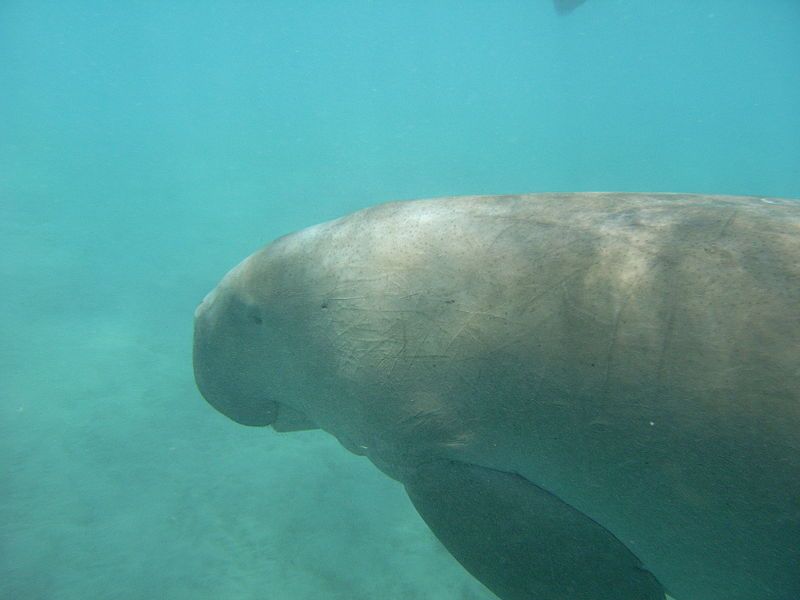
590, 396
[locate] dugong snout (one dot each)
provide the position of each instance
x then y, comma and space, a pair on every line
219, 350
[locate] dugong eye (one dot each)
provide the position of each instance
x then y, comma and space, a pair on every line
256, 318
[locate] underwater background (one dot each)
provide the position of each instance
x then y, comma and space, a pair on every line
148, 146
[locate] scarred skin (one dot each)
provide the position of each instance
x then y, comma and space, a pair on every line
637, 355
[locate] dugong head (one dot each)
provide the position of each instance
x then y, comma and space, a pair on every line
229, 339
250, 355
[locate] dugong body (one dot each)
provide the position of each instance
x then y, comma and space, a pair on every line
586, 396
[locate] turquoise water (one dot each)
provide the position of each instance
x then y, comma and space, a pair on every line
146, 147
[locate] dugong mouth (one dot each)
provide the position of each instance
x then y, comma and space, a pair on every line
216, 358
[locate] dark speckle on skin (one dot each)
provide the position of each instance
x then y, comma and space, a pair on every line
449, 301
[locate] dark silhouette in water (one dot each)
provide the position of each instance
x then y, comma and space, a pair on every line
564, 7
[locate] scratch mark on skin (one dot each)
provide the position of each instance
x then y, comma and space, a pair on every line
615, 328
421, 343
501, 233
667, 342
727, 223
612, 343
481, 313
558, 284
399, 354
370, 309
461, 330
345, 298
557, 250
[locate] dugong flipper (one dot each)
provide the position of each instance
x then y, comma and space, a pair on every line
547, 549
586, 396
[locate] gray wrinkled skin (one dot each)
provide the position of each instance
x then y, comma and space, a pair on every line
637, 355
